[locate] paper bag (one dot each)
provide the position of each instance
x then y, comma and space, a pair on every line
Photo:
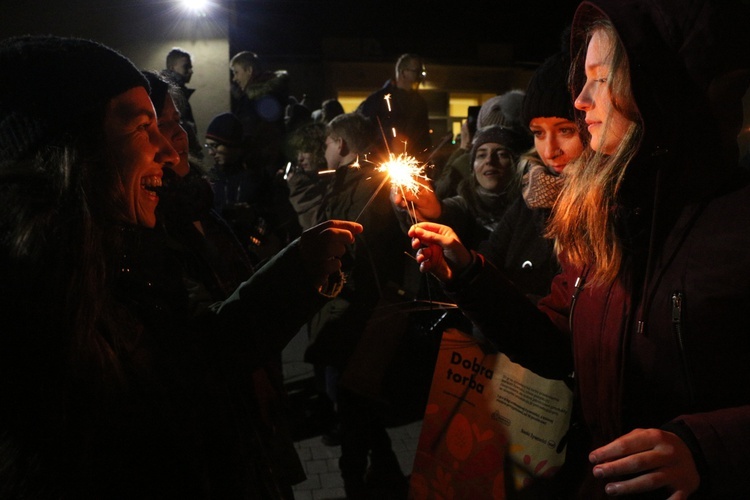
486, 416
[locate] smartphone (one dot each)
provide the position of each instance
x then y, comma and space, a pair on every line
471, 119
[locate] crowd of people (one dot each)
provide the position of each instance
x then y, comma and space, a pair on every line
591, 226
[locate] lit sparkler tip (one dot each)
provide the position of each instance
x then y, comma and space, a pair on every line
404, 172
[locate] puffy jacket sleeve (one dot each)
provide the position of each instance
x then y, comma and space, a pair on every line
265, 312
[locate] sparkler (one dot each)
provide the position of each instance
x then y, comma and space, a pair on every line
405, 172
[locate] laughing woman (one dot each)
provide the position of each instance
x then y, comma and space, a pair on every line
109, 388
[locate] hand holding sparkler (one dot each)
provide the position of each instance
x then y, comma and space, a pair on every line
407, 179
406, 174
424, 204
439, 251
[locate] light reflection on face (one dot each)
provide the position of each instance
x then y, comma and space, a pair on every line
607, 125
169, 125
138, 151
557, 141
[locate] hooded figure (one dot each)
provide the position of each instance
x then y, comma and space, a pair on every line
650, 310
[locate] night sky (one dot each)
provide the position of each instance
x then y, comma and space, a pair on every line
443, 31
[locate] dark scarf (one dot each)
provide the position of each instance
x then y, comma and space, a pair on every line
486, 206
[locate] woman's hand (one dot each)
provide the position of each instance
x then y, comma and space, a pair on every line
322, 247
425, 205
657, 459
440, 252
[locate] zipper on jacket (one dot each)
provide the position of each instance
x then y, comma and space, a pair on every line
577, 287
677, 306
576, 291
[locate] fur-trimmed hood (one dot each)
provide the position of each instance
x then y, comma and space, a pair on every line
269, 82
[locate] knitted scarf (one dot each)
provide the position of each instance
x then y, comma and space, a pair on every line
540, 187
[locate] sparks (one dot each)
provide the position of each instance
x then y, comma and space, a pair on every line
388, 101
405, 172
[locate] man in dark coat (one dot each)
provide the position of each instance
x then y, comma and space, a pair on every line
398, 108
260, 100
179, 71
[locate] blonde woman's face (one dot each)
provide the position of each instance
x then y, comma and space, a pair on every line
607, 126
557, 141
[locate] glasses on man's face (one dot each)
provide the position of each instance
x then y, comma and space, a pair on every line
212, 147
420, 73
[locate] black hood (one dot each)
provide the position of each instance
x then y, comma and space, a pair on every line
689, 65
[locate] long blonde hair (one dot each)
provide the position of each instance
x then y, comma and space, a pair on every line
583, 220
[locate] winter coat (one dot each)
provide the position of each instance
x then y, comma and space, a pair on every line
474, 212
372, 265
256, 205
214, 264
665, 345
518, 247
187, 120
517, 244
408, 115
260, 108
306, 190
170, 422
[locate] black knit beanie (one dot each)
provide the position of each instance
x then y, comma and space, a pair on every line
159, 90
225, 128
512, 139
54, 88
547, 94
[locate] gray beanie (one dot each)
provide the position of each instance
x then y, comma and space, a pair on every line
54, 87
511, 139
503, 109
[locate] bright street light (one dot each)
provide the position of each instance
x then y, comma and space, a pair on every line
196, 7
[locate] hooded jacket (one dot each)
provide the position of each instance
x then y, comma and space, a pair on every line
667, 345
260, 108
